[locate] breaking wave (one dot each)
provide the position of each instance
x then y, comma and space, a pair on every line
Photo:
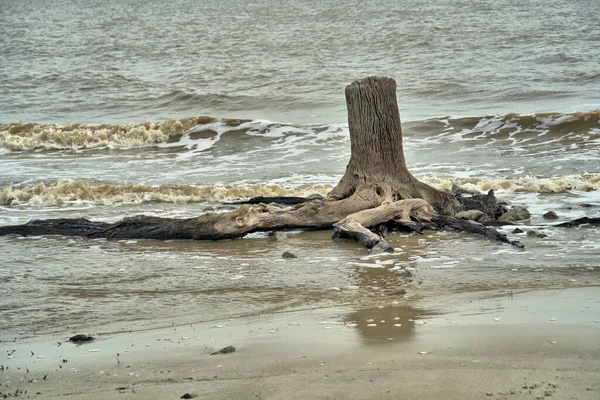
583, 127
83, 192
542, 127
18, 136
530, 184
69, 192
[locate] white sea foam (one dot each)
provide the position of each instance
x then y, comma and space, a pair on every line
69, 192
557, 184
19, 136
79, 193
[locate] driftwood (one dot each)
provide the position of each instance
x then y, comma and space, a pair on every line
277, 200
376, 193
401, 213
350, 229
478, 229
61, 226
579, 222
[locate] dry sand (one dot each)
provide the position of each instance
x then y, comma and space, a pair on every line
543, 344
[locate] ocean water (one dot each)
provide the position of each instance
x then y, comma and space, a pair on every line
111, 109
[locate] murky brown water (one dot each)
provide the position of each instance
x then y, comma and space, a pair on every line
54, 285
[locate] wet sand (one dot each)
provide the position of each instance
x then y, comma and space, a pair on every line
537, 344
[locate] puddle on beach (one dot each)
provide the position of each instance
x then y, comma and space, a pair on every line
382, 324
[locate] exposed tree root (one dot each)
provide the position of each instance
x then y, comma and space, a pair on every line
485, 203
351, 229
402, 213
579, 222
478, 229
278, 200
52, 227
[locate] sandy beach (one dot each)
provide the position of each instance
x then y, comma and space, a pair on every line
533, 345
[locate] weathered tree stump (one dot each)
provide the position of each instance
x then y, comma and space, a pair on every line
377, 168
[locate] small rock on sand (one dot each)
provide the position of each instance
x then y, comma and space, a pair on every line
224, 350
517, 213
550, 215
81, 338
287, 254
536, 234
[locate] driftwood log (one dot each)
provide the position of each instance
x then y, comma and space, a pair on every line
376, 193
277, 199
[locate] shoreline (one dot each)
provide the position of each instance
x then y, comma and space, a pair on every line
537, 344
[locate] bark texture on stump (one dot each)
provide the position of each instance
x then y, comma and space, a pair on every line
377, 165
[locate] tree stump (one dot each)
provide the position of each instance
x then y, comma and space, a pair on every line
377, 166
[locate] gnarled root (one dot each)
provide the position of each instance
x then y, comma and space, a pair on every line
406, 213
477, 229
579, 222
351, 229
